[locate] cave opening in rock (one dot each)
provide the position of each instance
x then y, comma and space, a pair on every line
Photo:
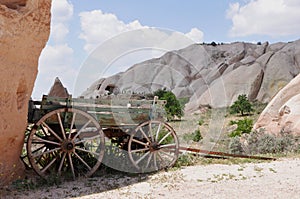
111, 89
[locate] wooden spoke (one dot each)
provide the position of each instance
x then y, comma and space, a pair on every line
154, 161
171, 146
83, 161
62, 163
157, 132
61, 126
149, 160
52, 132
82, 128
143, 157
72, 124
162, 160
46, 152
162, 139
71, 165
47, 167
87, 139
144, 134
42, 141
167, 154
139, 150
87, 151
139, 142
150, 131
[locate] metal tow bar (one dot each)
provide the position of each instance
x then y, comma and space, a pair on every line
222, 154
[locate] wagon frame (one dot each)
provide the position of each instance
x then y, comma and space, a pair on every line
68, 136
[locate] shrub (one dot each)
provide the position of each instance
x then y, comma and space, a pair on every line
241, 105
173, 106
195, 136
243, 126
213, 43
263, 143
200, 122
235, 146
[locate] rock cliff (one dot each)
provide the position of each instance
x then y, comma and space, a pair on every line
24, 31
283, 112
210, 74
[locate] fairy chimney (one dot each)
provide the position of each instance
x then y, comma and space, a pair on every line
24, 31
58, 90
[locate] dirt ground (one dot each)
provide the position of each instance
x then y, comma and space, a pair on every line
276, 179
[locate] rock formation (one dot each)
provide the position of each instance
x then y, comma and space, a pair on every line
58, 89
212, 75
24, 31
283, 112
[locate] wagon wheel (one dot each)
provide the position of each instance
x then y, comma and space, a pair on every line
152, 146
24, 156
66, 142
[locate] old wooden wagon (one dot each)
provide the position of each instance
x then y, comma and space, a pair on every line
69, 136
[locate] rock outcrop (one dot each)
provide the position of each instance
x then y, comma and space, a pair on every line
24, 31
58, 89
212, 75
283, 112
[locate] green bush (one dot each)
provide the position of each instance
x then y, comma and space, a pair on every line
195, 136
243, 126
241, 106
200, 122
173, 106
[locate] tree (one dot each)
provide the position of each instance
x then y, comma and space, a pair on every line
241, 105
213, 43
173, 106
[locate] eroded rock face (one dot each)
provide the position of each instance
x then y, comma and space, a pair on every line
211, 75
283, 112
24, 31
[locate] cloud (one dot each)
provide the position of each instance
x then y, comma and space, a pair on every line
97, 27
196, 35
62, 12
265, 17
56, 59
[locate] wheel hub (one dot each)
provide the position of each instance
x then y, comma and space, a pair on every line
68, 146
154, 146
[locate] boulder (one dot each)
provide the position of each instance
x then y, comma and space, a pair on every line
24, 31
283, 112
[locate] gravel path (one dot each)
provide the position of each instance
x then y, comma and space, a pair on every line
277, 179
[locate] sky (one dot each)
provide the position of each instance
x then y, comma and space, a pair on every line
90, 39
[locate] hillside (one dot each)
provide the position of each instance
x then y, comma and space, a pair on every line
210, 75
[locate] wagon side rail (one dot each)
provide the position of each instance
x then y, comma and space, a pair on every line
108, 112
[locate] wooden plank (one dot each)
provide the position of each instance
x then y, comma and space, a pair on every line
108, 112
110, 102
